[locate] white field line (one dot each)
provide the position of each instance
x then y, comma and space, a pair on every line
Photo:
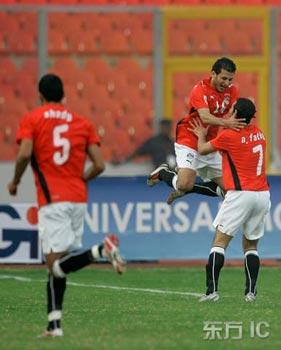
101, 286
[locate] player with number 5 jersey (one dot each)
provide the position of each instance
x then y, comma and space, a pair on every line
57, 142
60, 138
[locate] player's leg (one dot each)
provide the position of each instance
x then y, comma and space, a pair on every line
73, 262
215, 264
207, 167
55, 294
228, 221
253, 229
60, 229
251, 265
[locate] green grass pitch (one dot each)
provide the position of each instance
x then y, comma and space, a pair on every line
145, 309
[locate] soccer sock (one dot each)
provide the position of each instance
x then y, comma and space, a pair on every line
167, 176
252, 265
75, 262
215, 263
55, 292
209, 188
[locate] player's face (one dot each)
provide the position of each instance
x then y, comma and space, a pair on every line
222, 80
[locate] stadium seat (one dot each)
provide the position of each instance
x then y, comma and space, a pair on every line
99, 68
79, 105
66, 68
84, 42
183, 82
8, 69
219, 2
25, 87
27, 22
57, 42
26, 45
138, 128
3, 43
141, 41
114, 43
8, 23
128, 65
63, 21
31, 65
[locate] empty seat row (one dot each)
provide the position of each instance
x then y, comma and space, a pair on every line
212, 36
144, 2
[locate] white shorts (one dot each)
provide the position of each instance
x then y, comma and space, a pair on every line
245, 210
61, 226
207, 167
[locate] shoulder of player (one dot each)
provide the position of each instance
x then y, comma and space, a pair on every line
200, 86
233, 88
225, 132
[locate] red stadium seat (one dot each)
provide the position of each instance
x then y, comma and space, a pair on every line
141, 41
114, 42
219, 2
99, 68
25, 87
57, 42
30, 65
84, 42
8, 23
26, 45
241, 45
128, 65
8, 69
67, 69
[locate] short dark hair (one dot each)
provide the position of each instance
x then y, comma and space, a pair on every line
245, 109
224, 63
51, 88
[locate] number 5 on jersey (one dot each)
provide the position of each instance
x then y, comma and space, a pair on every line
61, 156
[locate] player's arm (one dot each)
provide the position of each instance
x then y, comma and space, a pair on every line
23, 158
203, 146
230, 123
97, 166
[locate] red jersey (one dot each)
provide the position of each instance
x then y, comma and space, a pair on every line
203, 95
243, 158
60, 139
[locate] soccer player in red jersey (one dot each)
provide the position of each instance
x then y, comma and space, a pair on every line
57, 142
211, 101
247, 200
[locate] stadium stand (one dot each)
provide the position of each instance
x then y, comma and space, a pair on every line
106, 59
144, 2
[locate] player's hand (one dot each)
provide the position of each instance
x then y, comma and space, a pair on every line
12, 188
233, 123
197, 128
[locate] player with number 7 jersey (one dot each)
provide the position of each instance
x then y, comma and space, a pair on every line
243, 158
60, 138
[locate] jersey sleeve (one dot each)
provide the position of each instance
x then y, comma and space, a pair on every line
197, 98
25, 129
221, 142
93, 138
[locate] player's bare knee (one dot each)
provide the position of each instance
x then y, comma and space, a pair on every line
184, 185
221, 240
